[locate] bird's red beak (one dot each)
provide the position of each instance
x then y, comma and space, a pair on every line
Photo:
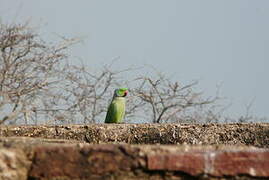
125, 93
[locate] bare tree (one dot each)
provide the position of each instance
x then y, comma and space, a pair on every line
167, 101
28, 70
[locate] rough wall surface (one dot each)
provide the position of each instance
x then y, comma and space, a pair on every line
45, 160
131, 151
255, 134
13, 164
135, 162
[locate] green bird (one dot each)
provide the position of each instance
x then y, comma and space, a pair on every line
116, 109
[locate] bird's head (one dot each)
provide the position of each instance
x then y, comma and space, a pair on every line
121, 92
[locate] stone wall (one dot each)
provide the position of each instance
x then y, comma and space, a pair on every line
132, 151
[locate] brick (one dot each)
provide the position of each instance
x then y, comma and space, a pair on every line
188, 162
231, 163
75, 162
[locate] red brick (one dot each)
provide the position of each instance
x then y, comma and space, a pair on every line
253, 163
75, 162
188, 162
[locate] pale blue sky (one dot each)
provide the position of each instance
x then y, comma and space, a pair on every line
215, 41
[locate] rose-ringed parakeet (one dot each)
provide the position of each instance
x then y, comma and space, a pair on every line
116, 109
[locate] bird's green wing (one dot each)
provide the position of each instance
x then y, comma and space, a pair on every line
115, 112
110, 113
